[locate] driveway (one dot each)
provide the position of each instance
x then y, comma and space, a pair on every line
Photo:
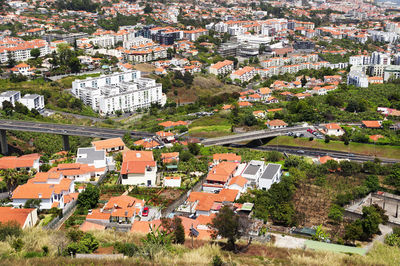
154, 214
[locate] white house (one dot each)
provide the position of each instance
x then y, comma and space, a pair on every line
48, 187
25, 218
333, 129
272, 174
11, 96
172, 181
277, 123
253, 171
138, 168
221, 68
33, 101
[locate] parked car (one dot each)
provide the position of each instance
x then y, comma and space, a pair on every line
145, 211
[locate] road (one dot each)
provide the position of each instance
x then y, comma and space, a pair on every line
70, 130
261, 134
317, 152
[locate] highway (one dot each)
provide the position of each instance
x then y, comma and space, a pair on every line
317, 152
70, 130
248, 136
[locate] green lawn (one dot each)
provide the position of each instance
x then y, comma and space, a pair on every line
386, 151
321, 246
47, 219
212, 126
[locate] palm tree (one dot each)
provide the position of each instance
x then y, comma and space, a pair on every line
11, 178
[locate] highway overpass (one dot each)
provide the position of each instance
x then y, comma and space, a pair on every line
253, 135
62, 129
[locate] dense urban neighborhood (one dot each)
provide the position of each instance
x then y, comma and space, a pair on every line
246, 132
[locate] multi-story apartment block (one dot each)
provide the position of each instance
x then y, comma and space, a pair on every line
20, 50
124, 91
221, 68
244, 74
357, 78
33, 101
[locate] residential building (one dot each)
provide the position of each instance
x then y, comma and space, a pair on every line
333, 129
109, 145
170, 157
33, 101
26, 162
23, 69
138, 168
371, 124
11, 96
123, 91
357, 78
48, 187
243, 74
25, 218
79, 172
221, 68
172, 181
277, 123
219, 175
229, 157
390, 72
253, 171
96, 158
272, 174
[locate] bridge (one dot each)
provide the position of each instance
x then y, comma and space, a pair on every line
64, 130
253, 135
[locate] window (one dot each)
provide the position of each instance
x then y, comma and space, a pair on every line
108, 81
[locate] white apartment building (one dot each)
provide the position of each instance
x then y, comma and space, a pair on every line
391, 72
137, 41
244, 74
272, 174
357, 78
33, 101
122, 91
21, 50
221, 68
11, 96
107, 41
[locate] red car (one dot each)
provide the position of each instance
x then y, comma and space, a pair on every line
145, 211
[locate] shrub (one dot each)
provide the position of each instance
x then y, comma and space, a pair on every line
336, 213
217, 261
17, 244
128, 249
9, 229
33, 254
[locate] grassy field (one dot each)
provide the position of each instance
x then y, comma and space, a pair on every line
360, 148
203, 86
211, 126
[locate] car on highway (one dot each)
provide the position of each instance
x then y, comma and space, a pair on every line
301, 151
145, 211
311, 131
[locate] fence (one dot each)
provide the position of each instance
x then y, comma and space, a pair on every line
182, 198
56, 222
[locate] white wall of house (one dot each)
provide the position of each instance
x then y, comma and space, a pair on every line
146, 179
31, 219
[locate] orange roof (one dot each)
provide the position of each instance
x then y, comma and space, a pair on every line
222, 171
88, 226
238, 180
108, 143
164, 134
8, 214
98, 215
147, 143
227, 157
324, 159
138, 156
227, 106
265, 90
33, 191
376, 137
276, 122
243, 104
333, 126
372, 124
12, 162
173, 124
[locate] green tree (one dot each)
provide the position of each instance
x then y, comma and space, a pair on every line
303, 81
194, 148
372, 183
32, 203
89, 197
226, 224
11, 177
8, 108
35, 53
320, 234
336, 213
